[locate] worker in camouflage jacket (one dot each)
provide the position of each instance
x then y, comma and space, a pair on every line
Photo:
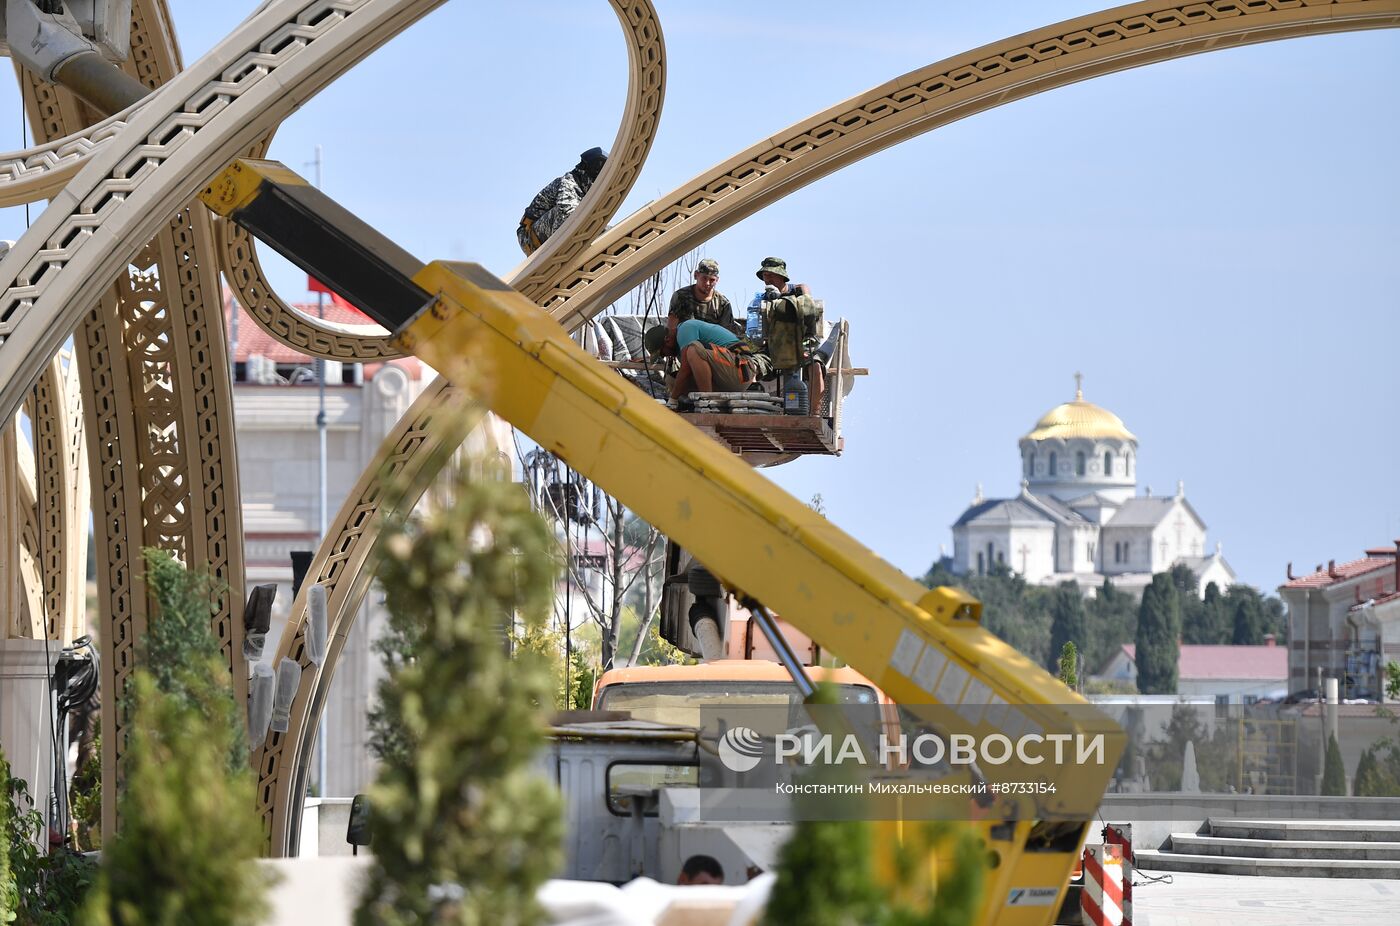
553, 205
700, 300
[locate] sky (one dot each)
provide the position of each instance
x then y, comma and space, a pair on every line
1211, 241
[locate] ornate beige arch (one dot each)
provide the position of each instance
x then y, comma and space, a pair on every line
158, 407
638, 246
642, 109
408, 450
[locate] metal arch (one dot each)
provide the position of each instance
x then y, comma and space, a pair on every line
158, 407
340, 562
642, 110
1086, 47
173, 143
1012, 69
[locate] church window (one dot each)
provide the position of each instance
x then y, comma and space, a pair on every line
1090, 551
1108, 462
1128, 464
1030, 464
991, 554
1079, 463
981, 565
1127, 557
1052, 463
1001, 557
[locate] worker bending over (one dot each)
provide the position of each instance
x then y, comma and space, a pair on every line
712, 358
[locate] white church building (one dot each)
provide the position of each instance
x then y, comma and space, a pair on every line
1079, 515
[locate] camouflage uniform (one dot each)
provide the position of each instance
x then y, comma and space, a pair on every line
550, 208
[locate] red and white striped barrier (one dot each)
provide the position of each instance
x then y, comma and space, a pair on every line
1102, 899
1122, 835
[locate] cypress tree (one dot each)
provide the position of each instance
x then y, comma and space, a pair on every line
185, 850
1249, 619
464, 832
1334, 773
1069, 666
1066, 619
1158, 633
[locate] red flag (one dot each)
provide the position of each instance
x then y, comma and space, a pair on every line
316, 286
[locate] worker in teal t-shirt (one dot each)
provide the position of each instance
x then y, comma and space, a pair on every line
694, 329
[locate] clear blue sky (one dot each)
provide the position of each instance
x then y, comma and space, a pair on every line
1212, 241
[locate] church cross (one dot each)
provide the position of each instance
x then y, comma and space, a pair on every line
1023, 551
1078, 386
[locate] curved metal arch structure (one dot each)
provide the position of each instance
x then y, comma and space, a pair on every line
121, 190
918, 102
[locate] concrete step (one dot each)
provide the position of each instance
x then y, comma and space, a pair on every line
1314, 830
1154, 860
1193, 844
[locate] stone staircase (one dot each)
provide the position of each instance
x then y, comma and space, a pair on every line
1284, 849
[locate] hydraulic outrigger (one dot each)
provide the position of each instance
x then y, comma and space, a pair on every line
921, 646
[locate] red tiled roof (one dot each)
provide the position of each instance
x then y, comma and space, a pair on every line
252, 339
1379, 599
1199, 661
1357, 567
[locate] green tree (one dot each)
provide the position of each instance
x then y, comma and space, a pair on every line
9, 890
185, 849
1069, 666
1158, 633
1188, 598
1213, 622
464, 831
1378, 770
1066, 618
1110, 621
1392, 680
1334, 773
1248, 609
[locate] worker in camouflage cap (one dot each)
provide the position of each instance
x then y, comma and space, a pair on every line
700, 300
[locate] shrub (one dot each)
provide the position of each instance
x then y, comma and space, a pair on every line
463, 831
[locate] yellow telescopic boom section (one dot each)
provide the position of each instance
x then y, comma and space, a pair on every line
923, 647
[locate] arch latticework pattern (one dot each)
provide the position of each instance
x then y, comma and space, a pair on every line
158, 406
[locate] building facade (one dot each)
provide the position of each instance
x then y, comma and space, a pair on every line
1079, 515
1344, 623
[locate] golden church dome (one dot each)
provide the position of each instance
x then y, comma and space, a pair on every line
1080, 419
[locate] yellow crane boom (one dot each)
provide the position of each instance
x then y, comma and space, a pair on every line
923, 647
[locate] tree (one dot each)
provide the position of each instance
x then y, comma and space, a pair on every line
1334, 773
1392, 680
9, 890
189, 835
1066, 618
1211, 623
1158, 635
1110, 621
1069, 666
1378, 770
1248, 610
1188, 600
464, 831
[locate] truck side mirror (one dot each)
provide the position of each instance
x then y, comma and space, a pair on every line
357, 834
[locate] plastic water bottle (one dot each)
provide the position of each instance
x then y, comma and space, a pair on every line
754, 327
794, 395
